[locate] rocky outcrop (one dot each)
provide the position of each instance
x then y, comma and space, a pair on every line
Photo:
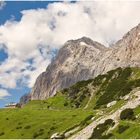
83, 59
25, 98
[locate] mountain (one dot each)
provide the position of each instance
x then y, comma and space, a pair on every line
83, 59
88, 91
75, 61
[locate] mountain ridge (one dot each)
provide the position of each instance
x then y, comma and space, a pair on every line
82, 59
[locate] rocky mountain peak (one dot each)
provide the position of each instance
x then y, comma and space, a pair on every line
130, 39
74, 62
82, 59
85, 41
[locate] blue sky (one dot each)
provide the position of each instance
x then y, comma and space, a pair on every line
13, 8
10, 10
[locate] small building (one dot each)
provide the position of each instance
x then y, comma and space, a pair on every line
11, 105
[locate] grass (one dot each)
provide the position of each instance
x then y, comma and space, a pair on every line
132, 131
38, 123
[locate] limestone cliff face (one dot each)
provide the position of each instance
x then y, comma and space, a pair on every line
75, 61
83, 59
124, 53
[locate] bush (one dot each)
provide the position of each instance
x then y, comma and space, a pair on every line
122, 128
18, 105
27, 127
18, 127
74, 115
19, 123
52, 128
115, 85
101, 128
77, 104
41, 129
2, 133
86, 120
66, 104
109, 122
39, 133
127, 114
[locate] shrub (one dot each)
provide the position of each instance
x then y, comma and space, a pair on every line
37, 134
52, 128
109, 122
41, 129
82, 97
101, 128
18, 127
19, 123
27, 127
122, 128
66, 104
18, 105
2, 133
127, 114
77, 104
86, 120
115, 85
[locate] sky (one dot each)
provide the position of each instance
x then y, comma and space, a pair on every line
10, 10
31, 33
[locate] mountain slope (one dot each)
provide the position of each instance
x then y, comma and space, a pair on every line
97, 92
83, 59
95, 108
108, 96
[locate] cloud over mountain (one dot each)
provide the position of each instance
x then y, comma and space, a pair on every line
31, 42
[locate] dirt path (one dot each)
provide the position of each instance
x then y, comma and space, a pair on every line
88, 101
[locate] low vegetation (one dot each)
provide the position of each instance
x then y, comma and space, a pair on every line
122, 128
99, 130
127, 114
77, 106
105, 88
38, 123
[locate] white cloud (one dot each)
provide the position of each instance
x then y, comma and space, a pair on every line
3, 93
42, 30
2, 4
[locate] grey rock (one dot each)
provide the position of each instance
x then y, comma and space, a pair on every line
25, 98
83, 59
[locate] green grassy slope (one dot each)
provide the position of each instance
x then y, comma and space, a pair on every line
74, 106
38, 123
